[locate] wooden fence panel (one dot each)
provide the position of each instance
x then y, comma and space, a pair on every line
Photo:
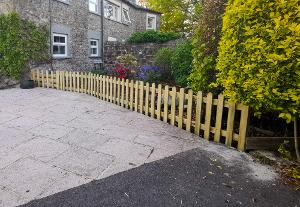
177, 108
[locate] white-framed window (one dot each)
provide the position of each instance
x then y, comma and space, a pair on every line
94, 47
94, 6
151, 22
126, 16
60, 45
112, 11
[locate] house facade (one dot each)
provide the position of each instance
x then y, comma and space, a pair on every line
78, 28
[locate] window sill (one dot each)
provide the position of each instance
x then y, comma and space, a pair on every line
94, 57
95, 13
61, 58
113, 20
66, 3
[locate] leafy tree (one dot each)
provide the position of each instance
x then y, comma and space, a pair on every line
178, 15
205, 40
259, 56
21, 42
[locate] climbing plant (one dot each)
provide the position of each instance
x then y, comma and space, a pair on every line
21, 43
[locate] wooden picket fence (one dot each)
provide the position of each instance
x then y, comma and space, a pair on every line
213, 119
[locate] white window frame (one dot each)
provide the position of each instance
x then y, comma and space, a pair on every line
115, 11
65, 44
155, 22
94, 47
95, 4
126, 10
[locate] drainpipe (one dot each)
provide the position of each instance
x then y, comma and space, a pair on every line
50, 33
102, 32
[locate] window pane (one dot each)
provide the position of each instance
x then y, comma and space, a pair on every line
55, 50
62, 50
94, 43
56, 38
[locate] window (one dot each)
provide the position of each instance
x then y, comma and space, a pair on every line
60, 43
126, 15
151, 22
94, 6
112, 11
94, 48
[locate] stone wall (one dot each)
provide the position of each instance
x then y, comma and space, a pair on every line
79, 24
143, 52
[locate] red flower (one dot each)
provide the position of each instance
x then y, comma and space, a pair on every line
121, 71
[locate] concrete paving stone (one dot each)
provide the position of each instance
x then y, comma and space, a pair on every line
85, 139
127, 151
116, 167
23, 123
83, 162
9, 198
28, 177
58, 119
160, 141
11, 138
120, 132
8, 156
5, 117
11, 108
33, 112
159, 154
69, 181
51, 131
42, 148
90, 124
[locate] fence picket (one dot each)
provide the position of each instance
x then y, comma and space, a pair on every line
181, 105
189, 111
119, 91
243, 128
141, 97
147, 99
158, 109
166, 104
153, 95
122, 92
136, 96
230, 124
131, 94
173, 106
199, 100
127, 94
218, 126
209, 100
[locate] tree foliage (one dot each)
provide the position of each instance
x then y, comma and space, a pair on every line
205, 41
181, 63
178, 15
259, 52
21, 42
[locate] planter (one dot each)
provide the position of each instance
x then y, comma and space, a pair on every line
27, 84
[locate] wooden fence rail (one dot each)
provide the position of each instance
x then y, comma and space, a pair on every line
214, 119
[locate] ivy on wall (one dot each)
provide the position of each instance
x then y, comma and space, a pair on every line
21, 43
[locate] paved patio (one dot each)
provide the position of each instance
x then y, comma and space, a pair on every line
51, 141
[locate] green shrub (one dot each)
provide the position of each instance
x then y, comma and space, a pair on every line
181, 63
21, 42
259, 55
162, 58
205, 41
127, 60
152, 36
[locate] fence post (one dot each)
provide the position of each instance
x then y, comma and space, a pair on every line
127, 94
136, 96
131, 94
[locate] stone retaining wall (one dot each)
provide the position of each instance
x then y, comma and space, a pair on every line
143, 52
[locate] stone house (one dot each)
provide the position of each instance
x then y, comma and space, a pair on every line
78, 30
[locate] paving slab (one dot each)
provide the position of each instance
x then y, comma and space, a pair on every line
54, 141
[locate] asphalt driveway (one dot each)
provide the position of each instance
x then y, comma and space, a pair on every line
52, 141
